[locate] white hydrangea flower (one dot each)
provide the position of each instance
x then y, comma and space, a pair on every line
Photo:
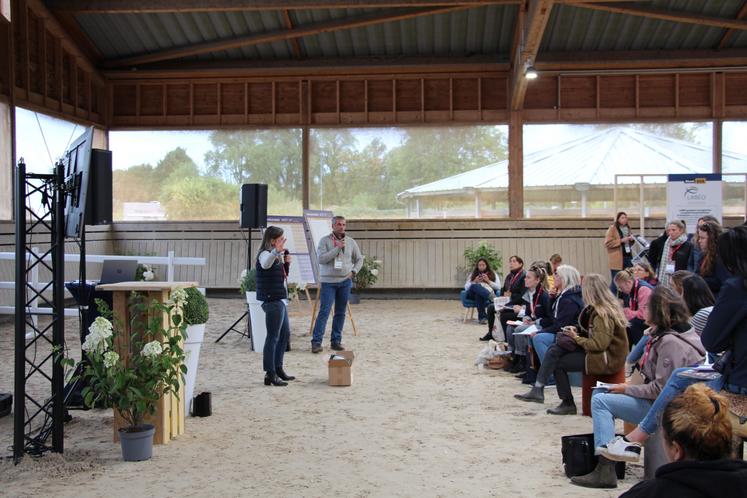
178, 296
374, 272
302, 286
99, 331
378, 262
148, 275
101, 326
110, 359
242, 276
152, 349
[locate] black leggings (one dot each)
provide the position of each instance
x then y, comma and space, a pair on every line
558, 361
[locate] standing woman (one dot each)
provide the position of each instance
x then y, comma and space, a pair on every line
710, 266
272, 266
618, 241
670, 252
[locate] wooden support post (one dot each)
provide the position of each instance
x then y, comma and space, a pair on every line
305, 176
515, 166
718, 136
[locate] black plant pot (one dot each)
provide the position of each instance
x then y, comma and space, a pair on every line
354, 299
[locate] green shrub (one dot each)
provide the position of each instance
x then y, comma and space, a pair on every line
483, 250
196, 308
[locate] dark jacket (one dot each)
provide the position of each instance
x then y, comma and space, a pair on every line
727, 328
542, 309
695, 479
718, 276
271, 282
516, 289
568, 306
606, 345
681, 257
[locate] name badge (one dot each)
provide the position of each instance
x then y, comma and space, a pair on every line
670, 268
338, 264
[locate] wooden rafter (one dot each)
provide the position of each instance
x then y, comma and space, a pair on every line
527, 45
163, 6
274, 36
633, 9
294, 41
730, 32
641, 59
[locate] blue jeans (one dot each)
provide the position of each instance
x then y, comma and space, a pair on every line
278, 334
674, 386
481, 296
541, 343
606, 407
338, 293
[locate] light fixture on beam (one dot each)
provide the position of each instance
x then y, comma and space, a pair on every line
531, 73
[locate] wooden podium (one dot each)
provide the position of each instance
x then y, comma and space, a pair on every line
169, 417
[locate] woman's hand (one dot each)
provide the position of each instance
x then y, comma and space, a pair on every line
616, 389
570, 331
517, 309
279, 244
287, 258
528, 321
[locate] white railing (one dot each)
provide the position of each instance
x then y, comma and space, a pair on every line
170, 261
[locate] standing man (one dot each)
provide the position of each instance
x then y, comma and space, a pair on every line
339, 260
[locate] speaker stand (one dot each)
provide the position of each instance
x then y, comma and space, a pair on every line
247, 332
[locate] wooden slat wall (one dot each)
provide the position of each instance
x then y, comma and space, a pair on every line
51, 75
416, 254
471, 97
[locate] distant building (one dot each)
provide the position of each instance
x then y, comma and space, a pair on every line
143, 211
571, 179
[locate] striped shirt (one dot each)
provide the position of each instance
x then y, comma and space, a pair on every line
699, 319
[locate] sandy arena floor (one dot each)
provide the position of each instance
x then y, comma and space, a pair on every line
419, 420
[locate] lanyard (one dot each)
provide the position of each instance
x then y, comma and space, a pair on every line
536, 300
647, 352
514, 279
674, 250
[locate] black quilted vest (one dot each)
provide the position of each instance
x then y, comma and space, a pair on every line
270, 282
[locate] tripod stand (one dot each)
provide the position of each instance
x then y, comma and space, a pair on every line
247, 332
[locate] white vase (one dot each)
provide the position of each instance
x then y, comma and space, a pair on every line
259, 327
192, 345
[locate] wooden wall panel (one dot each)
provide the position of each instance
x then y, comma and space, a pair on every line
736, 89
578, 92
617, 91
151, 100
465, 93
542, 94
694, 90
656, 90
353, 96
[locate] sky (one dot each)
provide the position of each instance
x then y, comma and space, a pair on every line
42, 139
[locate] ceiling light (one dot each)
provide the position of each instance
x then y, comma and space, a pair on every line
531, 73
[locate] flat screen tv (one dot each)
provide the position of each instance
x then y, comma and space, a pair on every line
77, 164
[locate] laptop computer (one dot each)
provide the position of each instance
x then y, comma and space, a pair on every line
118, 270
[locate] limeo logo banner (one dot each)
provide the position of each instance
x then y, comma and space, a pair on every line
690, 197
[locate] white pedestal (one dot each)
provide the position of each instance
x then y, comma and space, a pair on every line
259, 326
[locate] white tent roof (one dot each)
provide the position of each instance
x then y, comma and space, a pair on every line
594, 159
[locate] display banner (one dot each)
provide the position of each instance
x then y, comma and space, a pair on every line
319, 225
690, 197
294, 230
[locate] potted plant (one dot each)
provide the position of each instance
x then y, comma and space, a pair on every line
196, 314
366, 277
248, 287
145, 272
134, 384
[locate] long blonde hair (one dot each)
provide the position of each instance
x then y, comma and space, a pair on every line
597, 294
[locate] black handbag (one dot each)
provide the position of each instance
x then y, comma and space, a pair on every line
723, 364
566, 342
579, 458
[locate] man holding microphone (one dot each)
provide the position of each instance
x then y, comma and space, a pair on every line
339, 260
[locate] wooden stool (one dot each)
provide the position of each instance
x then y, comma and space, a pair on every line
590, 381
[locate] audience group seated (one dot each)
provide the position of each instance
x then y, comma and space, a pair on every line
686, 309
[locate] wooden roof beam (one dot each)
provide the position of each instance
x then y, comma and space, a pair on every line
526, 45
294, 41
707, 60
274, 36
164, 6
730, 32
632, 9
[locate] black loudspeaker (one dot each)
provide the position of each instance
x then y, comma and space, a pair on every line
99, 199
253, 205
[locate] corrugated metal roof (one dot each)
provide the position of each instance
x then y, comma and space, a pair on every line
572, 28
595, 159
484, 30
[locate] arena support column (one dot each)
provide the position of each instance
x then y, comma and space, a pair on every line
516, 165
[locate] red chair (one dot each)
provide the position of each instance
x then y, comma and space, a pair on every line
590, 381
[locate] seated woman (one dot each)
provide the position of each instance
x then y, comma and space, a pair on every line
697, 439
565, 309
725, 329
643, 271
638, 292
710, 266
693, 263
598, 346
481, 286
513, 288
673, 344
536, 306
670, 252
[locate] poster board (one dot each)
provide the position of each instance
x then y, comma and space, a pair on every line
692, 196
302, 268
319, 225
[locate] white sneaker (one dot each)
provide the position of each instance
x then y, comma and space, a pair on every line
620, 450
